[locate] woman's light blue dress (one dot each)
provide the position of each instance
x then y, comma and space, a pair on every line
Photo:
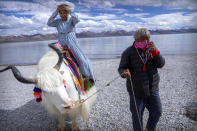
67, 37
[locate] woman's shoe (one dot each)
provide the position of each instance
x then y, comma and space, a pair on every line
92, 81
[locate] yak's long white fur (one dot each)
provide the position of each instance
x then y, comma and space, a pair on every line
48, 60
55, 95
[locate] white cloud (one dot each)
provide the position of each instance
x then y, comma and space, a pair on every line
107, 25
88, 23
99, 17
31, 7
155, 3
108, 4
14, 22
41, 11
15, 6
138, 9
138, 15
176, 4
164, 21
102, 3
52, 4
35, 25
12, 25
180, 4
172, 21
105, 4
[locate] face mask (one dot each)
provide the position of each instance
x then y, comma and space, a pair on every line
141, 45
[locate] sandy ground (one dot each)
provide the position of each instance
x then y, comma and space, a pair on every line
178, 86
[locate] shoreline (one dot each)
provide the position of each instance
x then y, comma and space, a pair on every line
94, 36
100, 59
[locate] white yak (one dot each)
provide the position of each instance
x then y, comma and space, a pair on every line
55, 96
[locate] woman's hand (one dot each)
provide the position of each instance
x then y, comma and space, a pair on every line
152, 46
126, 74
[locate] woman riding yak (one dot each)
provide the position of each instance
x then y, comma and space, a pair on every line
67, 38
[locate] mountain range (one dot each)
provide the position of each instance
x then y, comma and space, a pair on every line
54, 36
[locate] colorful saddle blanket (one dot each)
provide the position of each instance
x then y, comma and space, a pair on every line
81, 83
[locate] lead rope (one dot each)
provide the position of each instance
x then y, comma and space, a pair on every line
136, 104
108, 84
81, 101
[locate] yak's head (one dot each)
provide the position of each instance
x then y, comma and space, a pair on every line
49, 79
46, 73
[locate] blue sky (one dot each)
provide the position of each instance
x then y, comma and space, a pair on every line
28, 17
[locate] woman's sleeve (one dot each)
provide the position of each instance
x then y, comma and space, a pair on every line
52, 21
74, 18
159, 61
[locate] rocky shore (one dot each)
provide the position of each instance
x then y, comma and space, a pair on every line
178, 87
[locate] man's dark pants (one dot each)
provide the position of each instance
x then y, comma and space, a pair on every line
153, 105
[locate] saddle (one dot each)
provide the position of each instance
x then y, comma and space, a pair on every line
81, 83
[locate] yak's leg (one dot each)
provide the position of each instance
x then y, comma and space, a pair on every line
61, 125
75, 125
74, 116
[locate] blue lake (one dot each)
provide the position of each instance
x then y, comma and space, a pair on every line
98, 48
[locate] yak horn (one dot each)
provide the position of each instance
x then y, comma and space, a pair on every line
60, 54
18, 75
